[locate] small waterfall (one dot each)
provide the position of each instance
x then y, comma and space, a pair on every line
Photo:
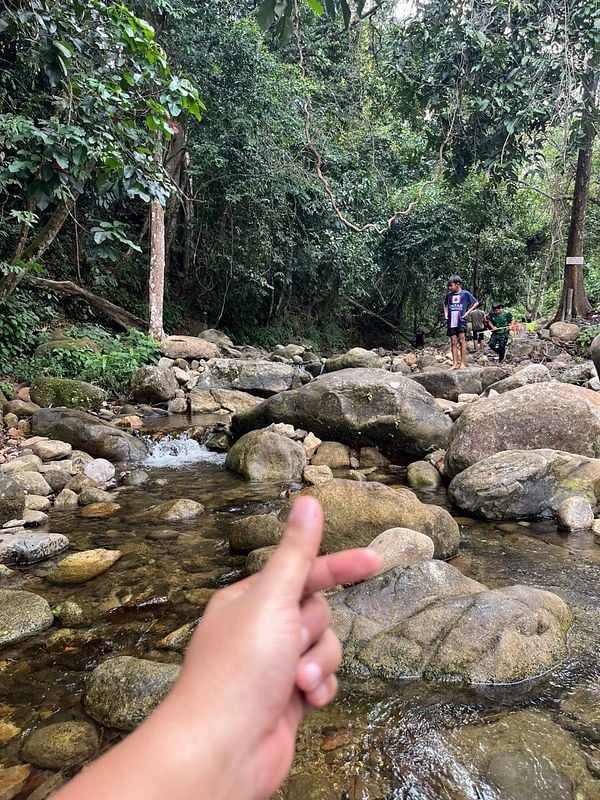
176, 451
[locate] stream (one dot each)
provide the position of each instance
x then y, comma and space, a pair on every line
411, 740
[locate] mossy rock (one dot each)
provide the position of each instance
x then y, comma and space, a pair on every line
65, 343
47, 392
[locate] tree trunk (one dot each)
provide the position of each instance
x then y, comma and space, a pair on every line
156, 281
124, 319
573, 300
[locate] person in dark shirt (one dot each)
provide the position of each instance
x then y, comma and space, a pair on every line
478, 323
458, 305
499, 322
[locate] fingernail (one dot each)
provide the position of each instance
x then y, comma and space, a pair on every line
306, 510
319, 695
312, 675
304, 638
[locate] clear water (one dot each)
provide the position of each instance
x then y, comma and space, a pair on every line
411, 740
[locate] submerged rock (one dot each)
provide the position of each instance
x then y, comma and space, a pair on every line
85, 432
83, 566
357, 512
22, 614
29, 548
122, 692
545, 415
173, 511
266, 456
428, 620
517, 484
62, 745
258, 530
359, 407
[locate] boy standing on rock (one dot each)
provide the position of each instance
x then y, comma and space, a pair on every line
458, 305
499, 321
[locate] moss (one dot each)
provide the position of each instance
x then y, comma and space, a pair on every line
48, 392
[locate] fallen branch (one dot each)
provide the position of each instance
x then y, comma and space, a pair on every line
390, 325
124, 319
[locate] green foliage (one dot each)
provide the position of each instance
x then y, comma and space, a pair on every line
323, 337
21, 319
585, 338
112, 367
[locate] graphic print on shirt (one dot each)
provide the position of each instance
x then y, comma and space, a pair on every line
455, 309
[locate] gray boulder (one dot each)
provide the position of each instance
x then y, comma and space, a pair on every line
207, 401
122, 692
12, 499
188, 347
532, 373
520, 484
22, 614
356, 358
545, 415
153, 385
266, 456
263, 378
567, 331
428, 620
85, 432
29, 548
447, 384
575, 514
359, 407
356, 512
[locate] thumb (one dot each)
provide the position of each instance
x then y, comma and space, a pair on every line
287, 570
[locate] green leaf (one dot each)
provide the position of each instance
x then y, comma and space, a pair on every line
316, 6
64, 49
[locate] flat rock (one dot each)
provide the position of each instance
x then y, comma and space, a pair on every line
355, 358
207, 401
83, 566
448, 384
531, 373
100, 510
188, 347
122, 692
22, 614
28, 462
262, 378
29, 548
428, 620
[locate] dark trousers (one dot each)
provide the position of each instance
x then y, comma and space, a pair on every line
498, 344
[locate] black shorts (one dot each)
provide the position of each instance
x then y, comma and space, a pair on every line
478, 336
457, 330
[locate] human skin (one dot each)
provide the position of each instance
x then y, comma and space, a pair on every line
261, 657
458, 343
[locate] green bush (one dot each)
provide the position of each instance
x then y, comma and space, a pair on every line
585, 338
112, 367
22, 315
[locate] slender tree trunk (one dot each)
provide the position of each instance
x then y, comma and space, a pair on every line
573, 300
156, 281
556, 224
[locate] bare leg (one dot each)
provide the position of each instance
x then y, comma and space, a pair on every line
463, 350
454, 347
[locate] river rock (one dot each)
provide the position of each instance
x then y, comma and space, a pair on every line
567, 331
266, 456
359, 407
371, 457
518, 484
152, 384
355, 358
33, 518
57, 479
22, 614
52, 449
531, 373
428, 620
12, 780
263, 378
87, 433
62, 745
136, 477
100, 510
95, 495
448, 384
254, 532
216, 337
357, 512
66, 499
528, 418
257, 559
173, 511
188, 347
423, 475
332, 454
12, 499
21, 408
32, 483
28, 548
35, 502
178, 639
316, 474
83, 566
99, 470
80, 482
575, 513
25, 463
207, 401
47, 392
398, 547
122, 692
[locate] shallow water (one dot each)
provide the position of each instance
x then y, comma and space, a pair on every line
411, 740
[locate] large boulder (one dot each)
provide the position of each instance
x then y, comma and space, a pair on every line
216, 337
519, 484
12, 499
266, 456
428, 620
356, 512
47, 392
567, 331
359, 407
22, 614
29, 548
152, 384
190, 347
123, 691
531, 373
551, 415
263, 378
595, 352
88, 433
356, 358
447, 384
207, 401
